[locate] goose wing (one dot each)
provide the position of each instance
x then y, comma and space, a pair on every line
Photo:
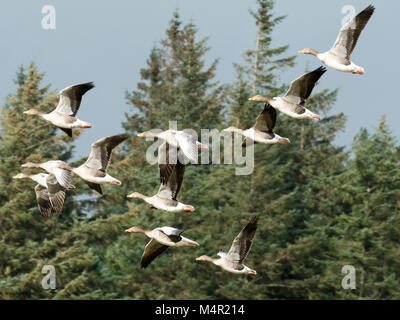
266, 119
171, 172
63, 176
301, 88
56, 193
94, 186
67, 131
152, 250
187, 143
349, 34
70, 98
101, 150
43, 201
242, 244
173, 234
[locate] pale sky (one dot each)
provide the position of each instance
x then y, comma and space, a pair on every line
107, 42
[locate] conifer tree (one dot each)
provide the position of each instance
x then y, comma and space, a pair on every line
23, 230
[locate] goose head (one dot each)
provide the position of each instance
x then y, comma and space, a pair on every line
205, 258
259, 98
33, 112
233, 129
134, 229
30, 165
308, 51
148, 134
136, 195
21, 176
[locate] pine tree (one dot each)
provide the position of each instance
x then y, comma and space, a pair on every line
25, 139
369, 222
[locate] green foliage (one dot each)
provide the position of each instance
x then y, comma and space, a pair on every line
320, 207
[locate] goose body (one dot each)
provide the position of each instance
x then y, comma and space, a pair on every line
64, 115
293, 102
49, 193
333, 62
63, 176
262, 131
171, 178
339, 56
233, 260
178, 139
228, 265
161, 239
94, 170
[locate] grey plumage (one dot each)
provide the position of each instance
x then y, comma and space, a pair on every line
300, 89
349, 34
71, 97
171, 172
100, 153
242, 243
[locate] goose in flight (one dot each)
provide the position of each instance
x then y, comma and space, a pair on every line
171, 178
295, 98
94, 170
262, 131
64, 115
63, 176
49, 193
339, 56
233, 260
178, 139
161, 239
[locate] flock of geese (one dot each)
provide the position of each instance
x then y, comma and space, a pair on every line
52, 186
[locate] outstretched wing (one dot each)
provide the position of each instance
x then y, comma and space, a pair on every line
242, 244
349, 34
301, 88
101, 150
63, 176
94, 186
70, 98
266, 120
56, 193
43, 201
67, 131
172, 233
171, 172
152, 250
188, 145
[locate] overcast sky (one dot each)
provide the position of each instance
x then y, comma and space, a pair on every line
109, 41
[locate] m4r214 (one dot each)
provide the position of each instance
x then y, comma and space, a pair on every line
221, 309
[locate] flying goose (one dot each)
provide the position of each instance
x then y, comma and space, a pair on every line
64, 115
161, 239
171, 178
295, 98
94, 170
233, 260
338, 57
49, 193
63, 176
178, 139
262, 131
